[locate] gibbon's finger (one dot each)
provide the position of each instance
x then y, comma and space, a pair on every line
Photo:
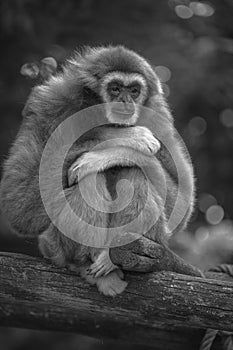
102, 264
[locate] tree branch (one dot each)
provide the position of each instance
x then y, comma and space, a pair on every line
164, 310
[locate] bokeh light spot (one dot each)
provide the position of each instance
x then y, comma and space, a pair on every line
202, 234
197, 126
164, 73
214, 214
183, 11
226, 117
201, 9
206, 200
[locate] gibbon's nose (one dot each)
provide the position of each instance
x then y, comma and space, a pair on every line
129, 107
126, 104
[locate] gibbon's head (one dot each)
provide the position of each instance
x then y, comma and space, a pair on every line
118, 77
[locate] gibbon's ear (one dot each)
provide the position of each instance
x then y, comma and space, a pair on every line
39, 73
42, 70
48, 67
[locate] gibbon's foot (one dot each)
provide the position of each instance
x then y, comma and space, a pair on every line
103, 265
109, 285
145, 255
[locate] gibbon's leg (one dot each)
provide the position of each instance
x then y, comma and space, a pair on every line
145, 200
156, 230
186, 176
102, 263
66, 252
61, 250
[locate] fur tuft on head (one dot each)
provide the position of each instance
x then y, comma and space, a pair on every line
94, 63
78, 86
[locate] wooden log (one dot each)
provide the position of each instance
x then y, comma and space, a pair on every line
164, 310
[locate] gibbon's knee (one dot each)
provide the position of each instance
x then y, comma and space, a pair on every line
50, 246
79, 217
62, 250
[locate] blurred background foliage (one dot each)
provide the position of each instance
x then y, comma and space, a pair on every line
190, 43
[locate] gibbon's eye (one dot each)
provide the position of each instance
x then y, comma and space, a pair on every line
135, 91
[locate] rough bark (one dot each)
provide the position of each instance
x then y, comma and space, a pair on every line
164, 310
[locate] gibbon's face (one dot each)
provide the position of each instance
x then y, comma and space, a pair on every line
123, 93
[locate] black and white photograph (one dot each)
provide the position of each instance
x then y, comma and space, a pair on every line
116, 175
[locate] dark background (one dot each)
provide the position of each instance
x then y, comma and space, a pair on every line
191, 44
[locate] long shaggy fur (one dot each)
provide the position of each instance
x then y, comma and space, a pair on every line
75, 88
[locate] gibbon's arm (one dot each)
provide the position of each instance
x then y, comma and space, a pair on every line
19, 191
20, 198
179, 167
100, 160
138, 138
172, 154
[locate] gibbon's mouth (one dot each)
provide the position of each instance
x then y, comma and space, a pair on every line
123, 113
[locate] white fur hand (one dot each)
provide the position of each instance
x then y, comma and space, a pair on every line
140, 138
146, 140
